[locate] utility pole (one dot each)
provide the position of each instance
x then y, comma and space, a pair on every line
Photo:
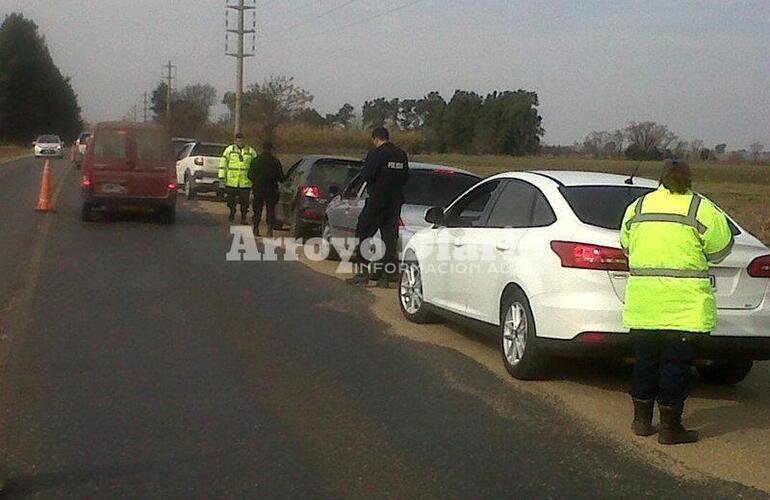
240, 9
145, 107
169, 77
133, 113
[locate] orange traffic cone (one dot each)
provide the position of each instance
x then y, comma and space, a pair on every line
45, 204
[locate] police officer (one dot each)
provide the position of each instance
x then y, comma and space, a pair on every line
266, 173
233, 172
670, 235
385, 171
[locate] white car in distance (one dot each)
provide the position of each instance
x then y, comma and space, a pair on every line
48, 145
535, 258
197, 168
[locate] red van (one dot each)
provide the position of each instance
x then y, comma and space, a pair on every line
129, 164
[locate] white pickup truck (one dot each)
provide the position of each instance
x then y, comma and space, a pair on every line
197, 168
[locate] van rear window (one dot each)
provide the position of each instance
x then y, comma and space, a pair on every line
111, 143
151, 145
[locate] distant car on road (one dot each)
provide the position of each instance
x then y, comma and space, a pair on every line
428, 186
129, 164
305, 193
197, 168
49, 145
553, 279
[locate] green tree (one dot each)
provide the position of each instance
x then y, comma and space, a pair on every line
508, 123
275, 101
312, 117
34, 96
430, 112
459, 121
376, 112
343, 118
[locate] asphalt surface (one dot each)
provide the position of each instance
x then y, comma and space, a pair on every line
137, 362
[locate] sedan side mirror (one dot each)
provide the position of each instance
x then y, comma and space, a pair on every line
334, 191
434, 215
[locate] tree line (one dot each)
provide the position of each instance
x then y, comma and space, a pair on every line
505, 122
35, 98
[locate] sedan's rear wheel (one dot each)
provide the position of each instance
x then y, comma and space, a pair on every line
518, 337
725, 373
410, 295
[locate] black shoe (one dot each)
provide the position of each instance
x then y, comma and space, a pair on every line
232, 216
244, 220
643, 410
358, 279
671, 429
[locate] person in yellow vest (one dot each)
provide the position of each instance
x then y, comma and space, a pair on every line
670, 236
234, 173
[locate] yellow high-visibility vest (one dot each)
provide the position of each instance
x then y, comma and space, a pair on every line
234, 166
670, 240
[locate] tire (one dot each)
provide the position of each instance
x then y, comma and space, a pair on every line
522, 356
725, 373
168, 215
220, 194
296, 230
410, 295
189, 187
85, 212
326, 235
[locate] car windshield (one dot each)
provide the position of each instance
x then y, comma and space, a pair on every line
48, 139
212, 150
436, 188
325, 174
604, 206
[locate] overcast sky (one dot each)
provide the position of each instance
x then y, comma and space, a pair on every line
702, 68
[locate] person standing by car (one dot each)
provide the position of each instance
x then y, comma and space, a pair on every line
385, 172
265, 173
233, 172
670, 236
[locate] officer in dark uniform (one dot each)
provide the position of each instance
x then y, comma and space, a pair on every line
265, 173
386, 171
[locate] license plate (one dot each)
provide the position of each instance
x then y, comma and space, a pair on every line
112, 188
713, 280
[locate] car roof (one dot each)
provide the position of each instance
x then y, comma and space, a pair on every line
222, 144
585, 178
432, 166
125, 124
331, 157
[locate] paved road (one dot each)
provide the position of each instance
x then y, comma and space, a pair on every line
136, 362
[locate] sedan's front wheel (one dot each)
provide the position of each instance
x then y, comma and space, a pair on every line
518, 337
410, 295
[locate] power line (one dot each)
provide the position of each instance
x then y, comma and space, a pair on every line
316, 17
337, 29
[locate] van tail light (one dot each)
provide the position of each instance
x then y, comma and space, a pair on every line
172, 184
760, 267
199, 161
587, 256
310, 191
86, 182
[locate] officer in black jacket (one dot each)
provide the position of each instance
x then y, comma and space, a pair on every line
386, 171
265, 173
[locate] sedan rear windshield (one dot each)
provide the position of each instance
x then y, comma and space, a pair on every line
436, 188
48, 139
332, 173
208, 150
604, 206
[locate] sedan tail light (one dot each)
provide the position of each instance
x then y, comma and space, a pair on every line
587, 256
310, 191
199, 161
760, 267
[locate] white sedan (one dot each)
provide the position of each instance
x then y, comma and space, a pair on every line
197, 167
49, 145
535, 258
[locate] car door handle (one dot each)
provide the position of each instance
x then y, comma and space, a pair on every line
503, 245
458, 242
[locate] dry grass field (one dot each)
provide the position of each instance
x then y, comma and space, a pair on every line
13, 151
741, 190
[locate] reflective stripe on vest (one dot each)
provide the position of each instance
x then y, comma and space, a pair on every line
669, 273
691, 219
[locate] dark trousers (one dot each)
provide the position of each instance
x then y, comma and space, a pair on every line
382, 217
662, 366
237, 196
268, 199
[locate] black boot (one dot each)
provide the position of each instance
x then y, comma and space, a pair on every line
256, 230
244, 220
269, 231
643, 409
232, 215
671, 429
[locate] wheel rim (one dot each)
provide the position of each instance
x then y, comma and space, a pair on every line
515, 331
411, 289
